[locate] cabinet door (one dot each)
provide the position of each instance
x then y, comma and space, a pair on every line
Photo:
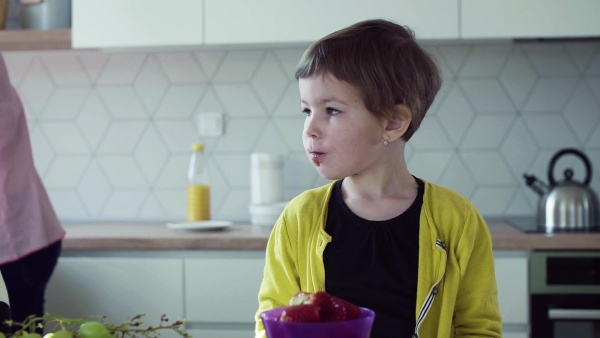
221, 333
515, 335
529, 18
222, 290
295, 21
513, 295
119, 288
136, 23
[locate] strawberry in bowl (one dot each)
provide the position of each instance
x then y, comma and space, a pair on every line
318, 315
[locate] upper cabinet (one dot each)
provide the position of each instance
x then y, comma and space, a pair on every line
482, 19
136, 23
185, 23
288, 21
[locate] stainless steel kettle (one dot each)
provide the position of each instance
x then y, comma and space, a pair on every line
567, 205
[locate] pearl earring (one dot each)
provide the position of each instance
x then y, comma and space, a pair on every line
385, 142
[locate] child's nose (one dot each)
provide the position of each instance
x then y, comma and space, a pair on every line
311, 127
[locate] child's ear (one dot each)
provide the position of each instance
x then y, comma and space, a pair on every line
396, 127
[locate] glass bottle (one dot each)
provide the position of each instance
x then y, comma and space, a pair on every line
198, 188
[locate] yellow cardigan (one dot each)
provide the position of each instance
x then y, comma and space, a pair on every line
456, 291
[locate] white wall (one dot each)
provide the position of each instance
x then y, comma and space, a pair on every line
111, 131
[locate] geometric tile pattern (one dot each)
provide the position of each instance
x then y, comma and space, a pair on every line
111, 131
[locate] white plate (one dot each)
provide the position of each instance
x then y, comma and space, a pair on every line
201, 225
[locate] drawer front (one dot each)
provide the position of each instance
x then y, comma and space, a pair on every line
222, 289
513, 295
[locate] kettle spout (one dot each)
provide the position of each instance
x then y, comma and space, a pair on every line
535, 184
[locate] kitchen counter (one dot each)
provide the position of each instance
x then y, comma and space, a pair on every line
156, 236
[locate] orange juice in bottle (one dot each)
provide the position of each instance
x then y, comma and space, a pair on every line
198, 188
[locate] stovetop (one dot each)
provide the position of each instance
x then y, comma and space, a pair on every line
529, 224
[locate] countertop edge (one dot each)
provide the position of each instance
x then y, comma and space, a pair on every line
244, 236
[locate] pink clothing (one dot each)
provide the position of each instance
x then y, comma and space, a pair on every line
27, 219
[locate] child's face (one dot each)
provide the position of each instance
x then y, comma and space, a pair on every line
341, 137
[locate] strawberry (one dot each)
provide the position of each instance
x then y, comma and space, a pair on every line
331, 308
352, 311
334, 312
300, 313
320, 298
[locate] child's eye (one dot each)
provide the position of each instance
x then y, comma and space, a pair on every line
333, 111
306, 111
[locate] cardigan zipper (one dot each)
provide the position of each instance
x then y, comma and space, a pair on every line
431, 295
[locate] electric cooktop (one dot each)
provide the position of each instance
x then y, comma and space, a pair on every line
528, 224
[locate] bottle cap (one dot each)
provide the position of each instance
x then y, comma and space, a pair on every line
197, 147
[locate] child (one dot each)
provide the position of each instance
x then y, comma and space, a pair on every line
417, 254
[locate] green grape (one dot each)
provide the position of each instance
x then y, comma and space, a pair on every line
62, 334
47, 335
92, 330
2, 335
30, 335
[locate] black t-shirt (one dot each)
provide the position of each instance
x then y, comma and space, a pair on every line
374, 264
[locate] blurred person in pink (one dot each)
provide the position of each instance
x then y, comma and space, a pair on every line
30, 232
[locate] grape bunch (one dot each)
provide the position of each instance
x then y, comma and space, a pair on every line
90, 327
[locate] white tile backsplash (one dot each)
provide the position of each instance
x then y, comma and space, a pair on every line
122, 137
180, 101
517, 77
430, 165
485, 61
269, 81
487, 167
111, 131
122, 171
93, 120
457, 113
487, 132
65, 103
487, 96
65, 138
431, 136
94, 189
66, 171
581, 112
550, 59
549, 95
121, 69
240, 100
238, 66
65, 70
181, 68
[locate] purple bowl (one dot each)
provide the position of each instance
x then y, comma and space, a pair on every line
356, 328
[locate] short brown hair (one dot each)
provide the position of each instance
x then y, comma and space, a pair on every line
383, 60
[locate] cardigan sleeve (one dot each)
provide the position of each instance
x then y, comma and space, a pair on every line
476, 311
280, 279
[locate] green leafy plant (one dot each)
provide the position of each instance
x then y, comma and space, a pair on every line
90, 327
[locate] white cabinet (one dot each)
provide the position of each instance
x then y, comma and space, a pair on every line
512, 278
222, 289
248, 333
288, 21
215, 291
118, 288
529, 18
154, 23
515, 335
137, 23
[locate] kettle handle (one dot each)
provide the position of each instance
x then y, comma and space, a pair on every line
586, 161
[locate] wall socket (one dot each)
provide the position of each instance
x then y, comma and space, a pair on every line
210, 124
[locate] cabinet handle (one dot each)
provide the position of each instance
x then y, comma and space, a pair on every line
574, 314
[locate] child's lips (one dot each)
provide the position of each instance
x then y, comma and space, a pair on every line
317, 157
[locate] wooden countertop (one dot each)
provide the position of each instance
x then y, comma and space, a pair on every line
156, 236
35, 40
